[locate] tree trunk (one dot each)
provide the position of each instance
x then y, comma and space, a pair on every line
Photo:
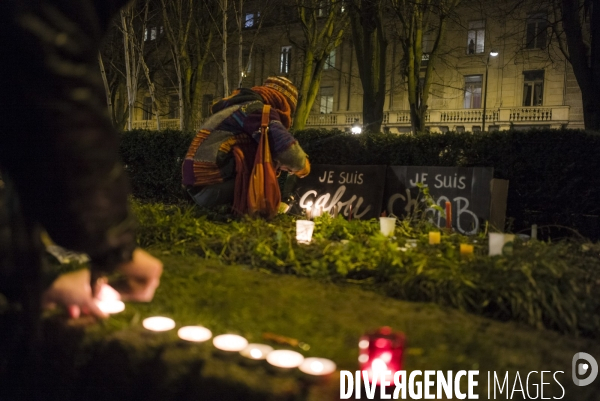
105, 81
224, 53
370, 45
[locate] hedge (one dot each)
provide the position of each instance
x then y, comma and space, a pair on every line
553, 174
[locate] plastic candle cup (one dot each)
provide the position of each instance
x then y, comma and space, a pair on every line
158, 323
501, 244
304, 231
387, 225
229, 344
317, 367
197, 334
255, 353
284, 360
466, 250
435, 237
381, 351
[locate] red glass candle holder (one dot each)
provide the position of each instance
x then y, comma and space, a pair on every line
380, 351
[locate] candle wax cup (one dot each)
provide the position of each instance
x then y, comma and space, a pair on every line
317, 366
110, 307
435, 237
158, 323
466, 249
257, 352
230, 342
194, 333
304, 230
285, 359
387, 225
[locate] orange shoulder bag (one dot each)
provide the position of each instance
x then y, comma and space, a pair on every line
264, 195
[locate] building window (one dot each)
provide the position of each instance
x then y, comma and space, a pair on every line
533, 88
207, 101
537, 29
326, 100
476, 37
147, 109
330, 60
174, 106
152, 33
251, 19
286, 60
473, 91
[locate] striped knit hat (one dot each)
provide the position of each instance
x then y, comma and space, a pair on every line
285, 87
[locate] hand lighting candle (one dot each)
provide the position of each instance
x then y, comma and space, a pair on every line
109, 300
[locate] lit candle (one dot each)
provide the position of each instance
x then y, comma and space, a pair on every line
309, 210
285, 359
304, 231
108, 300
448, 215
496, 242
158, 323
466, 249
387, 225
317, 366
230, 342
257, 352
434, 237
196, 334
381, 351
350, 213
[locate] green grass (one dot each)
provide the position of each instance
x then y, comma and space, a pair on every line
119, 357
543, 284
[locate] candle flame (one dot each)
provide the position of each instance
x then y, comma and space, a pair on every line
316, 366
255, 353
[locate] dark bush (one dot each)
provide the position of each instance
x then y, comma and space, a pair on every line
553, 174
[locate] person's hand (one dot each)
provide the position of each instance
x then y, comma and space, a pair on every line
72, 291
141, 277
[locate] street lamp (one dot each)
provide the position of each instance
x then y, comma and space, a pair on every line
492, 53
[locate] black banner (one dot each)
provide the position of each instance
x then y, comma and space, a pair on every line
467, 189
356, 188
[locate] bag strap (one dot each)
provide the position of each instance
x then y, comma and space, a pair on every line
264, 124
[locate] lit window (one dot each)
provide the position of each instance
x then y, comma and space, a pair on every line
152, 33
251, 19
533, 88
326, 105
472, 92
476, 37
330, 61
286, 60
537, 27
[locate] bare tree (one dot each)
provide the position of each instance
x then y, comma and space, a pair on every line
189, 33
577, 32
323, 25
417, 18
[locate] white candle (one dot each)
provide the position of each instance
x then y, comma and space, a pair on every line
496, 243
110, 307
304, 231
285, 359
196, 334
387, 225
108, 300
256, 351
230, 342
158, 323
317, 366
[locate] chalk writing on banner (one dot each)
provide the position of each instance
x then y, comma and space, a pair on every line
353, 189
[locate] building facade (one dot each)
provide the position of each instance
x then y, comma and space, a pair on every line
503, 66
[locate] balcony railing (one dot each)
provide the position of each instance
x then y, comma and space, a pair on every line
504, 117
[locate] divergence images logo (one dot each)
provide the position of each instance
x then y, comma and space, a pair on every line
581, 369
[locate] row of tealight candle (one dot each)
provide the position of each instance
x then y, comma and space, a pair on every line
499, 243
108, 301
233, 343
